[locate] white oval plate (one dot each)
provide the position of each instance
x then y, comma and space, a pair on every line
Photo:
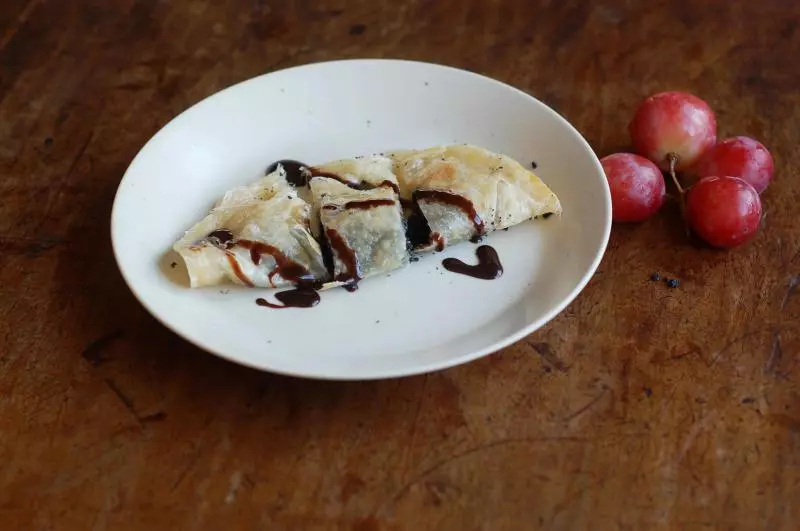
416, 320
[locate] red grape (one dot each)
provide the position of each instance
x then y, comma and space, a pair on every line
740, 157
724, 211
676, 123
637, 186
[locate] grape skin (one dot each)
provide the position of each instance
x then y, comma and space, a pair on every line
637, 187
676, 123
741, 157
723, 211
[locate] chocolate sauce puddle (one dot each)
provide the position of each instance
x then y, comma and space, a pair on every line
299, 297
487, 268
297, 173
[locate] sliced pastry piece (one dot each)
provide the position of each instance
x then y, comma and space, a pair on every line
257, 235
361, 216
464, 192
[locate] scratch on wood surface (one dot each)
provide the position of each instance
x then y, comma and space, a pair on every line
13, 245
569, 498
546, 352
794, 282
477, 449
794, 257
93, 353
189, 466
585, 408
693, 350
775, 355
729, 344
21, 19
80, 153
694, 431
127, 402
61, 182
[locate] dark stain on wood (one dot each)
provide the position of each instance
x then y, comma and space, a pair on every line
351, 485
785, 421
369, 523
95, 351
438, 490
357, 29
154, 417
548, 354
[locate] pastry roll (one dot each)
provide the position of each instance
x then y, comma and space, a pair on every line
257, 235
361, 217
465, 192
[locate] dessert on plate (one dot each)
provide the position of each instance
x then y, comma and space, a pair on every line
335, 224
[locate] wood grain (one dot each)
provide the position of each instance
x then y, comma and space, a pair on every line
639, 407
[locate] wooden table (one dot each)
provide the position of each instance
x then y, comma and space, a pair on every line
639, 407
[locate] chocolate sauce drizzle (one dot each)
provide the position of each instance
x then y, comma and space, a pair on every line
438, 240
284, 266
351, 274
298, 174
237, 270
487, 268
335, 243
223, 238
364, 204
360, 185
418, 234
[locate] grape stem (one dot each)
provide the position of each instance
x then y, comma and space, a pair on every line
672, 159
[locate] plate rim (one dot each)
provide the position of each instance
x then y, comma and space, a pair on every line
374, 375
